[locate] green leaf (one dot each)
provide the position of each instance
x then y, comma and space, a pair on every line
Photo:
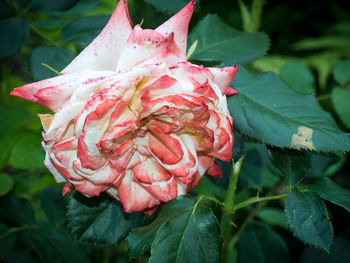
339, 253
293, 165
28, 153
252, 171
258, 243
340, 99
141, 239
55, 57
192, 234
341, 71
80, 8
266, 109
49, 24
6, 183
325, 165
82, 31
55, 245
14, 32
308, 219
18, 210
54, 205
207, 187
170, 7
31, 183
57, 4
15, 119
330, 191
271, 178
273, 216
298, 76
219, 42
99, 220
7, 239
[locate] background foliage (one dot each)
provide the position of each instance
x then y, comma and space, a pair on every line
284, 203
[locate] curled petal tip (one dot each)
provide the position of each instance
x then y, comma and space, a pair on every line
179, 25
104, 51
14, 93
215, 170
126, 9
24, 92
230, 91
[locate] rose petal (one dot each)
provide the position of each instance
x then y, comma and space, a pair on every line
165, 147
133, 196
179, 25
149, 172
104, 52
223, 78
144, 44
215, 170
163, 190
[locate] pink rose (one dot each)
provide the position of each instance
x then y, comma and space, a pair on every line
132, 117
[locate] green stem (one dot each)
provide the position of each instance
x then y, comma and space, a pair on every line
211, 198
42, 35
226, 220
253, 200
262, 201
251, 215
231, 191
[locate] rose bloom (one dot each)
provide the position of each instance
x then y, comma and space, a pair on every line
132, 117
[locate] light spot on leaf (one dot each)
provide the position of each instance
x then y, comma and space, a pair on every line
303, 139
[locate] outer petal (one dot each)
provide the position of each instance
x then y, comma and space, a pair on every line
178, 24
104, 52
223, 78
89, 188
215, 170
53, 92
106, 175
133, 196
165, 191
56, 174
